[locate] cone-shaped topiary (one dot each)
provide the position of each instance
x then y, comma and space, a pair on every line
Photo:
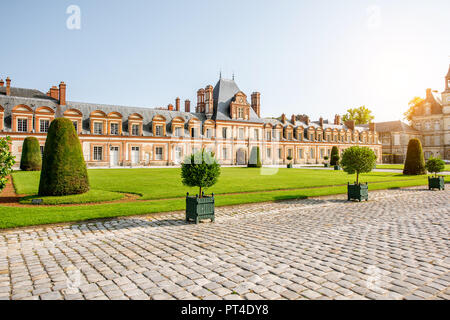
31, 159
334, 156
63, 168
415, 163
255, 158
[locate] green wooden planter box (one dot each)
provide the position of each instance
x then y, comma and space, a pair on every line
289, 166
436, 183
200, 208
326, 165
337, 168
358, 192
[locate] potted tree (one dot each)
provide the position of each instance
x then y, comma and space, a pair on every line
435, 165
326, 164
358, 160
289, 158
335, 159
200, 170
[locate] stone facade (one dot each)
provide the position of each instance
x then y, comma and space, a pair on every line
224, 122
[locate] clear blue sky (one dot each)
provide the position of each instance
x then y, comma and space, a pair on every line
314, 57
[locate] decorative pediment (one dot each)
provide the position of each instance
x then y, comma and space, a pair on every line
45, 110
159, 118
72, 113
98, 114
22, 108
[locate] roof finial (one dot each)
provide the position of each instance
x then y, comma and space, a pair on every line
220, 76
233, 76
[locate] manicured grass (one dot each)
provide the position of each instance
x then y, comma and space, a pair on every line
400, 166
92, 196
236, 186
166, 183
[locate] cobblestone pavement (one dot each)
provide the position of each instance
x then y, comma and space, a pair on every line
393, 247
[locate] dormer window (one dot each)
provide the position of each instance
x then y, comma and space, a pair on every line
240, 113
135, 129
98, 128
114, 129
159, 131
177, 132
43, 125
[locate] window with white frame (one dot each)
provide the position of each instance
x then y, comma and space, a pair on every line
437, 125
240, 113
158, 131
256, 134
268, 135
289, 153
114, 129
300, 153
437, 140
225, 153
241, 133
280, 153
209, 133
269, 153
43, 125
225, 133
75, 125
178, 132
22, 125
311, 153
135, 129
322, 153
396, 139
98, 128
98, 153
158, 153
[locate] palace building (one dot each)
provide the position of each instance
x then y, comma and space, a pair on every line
225, 120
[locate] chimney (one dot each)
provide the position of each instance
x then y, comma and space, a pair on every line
306, 120
62, 93
2, 83
8, 86
283, 118
200, 101
293, 119
337, 119
54, 93
350, 124
372, 127
209, 101
170, 107
256, 103
321, 121
429, 93
187, 106
177, 104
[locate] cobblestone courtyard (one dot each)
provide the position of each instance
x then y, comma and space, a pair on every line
393, 247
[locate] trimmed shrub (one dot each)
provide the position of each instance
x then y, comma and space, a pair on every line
358, 160
7, 160
435, 165
31, 159
63, 168
200, 170
334, 156
255, 158
415, 162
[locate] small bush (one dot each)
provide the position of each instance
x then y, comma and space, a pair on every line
334, 156
435, 165
31, 159
63, 168
7, 160
200, 170
358, 160
415, 162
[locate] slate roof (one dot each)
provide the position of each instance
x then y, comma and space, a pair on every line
395, 126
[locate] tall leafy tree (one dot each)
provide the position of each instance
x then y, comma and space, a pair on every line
361, 115
7, 160
415, 102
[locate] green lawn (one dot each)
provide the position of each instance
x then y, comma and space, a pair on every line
400, 166
164, 188
93, 196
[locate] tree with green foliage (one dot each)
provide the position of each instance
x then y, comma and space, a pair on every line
334, 156
7, 160
358, 160
255, 158
200, 170
415, 162
435, 165
63, 168
413, 104
361, 115
31, 159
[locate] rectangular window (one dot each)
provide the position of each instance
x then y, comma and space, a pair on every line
22, 125
312, 153
135, 129
290, 136
269, 153
209, 133
280, 153
177, 132
256, 134
268, 135
311, 137
290, 153
158, 131
98, 128
300, 153
322, 153
225, 153
43, 125
274, 134
158, 153
437, 140
98, 153
225, 133
240, 113
75, 125
42, 150
114, 129
241, 133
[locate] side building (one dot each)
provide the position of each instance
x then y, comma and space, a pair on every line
223, 121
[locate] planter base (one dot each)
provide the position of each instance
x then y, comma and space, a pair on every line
436, 183
337, 168
198, 209
358, 192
